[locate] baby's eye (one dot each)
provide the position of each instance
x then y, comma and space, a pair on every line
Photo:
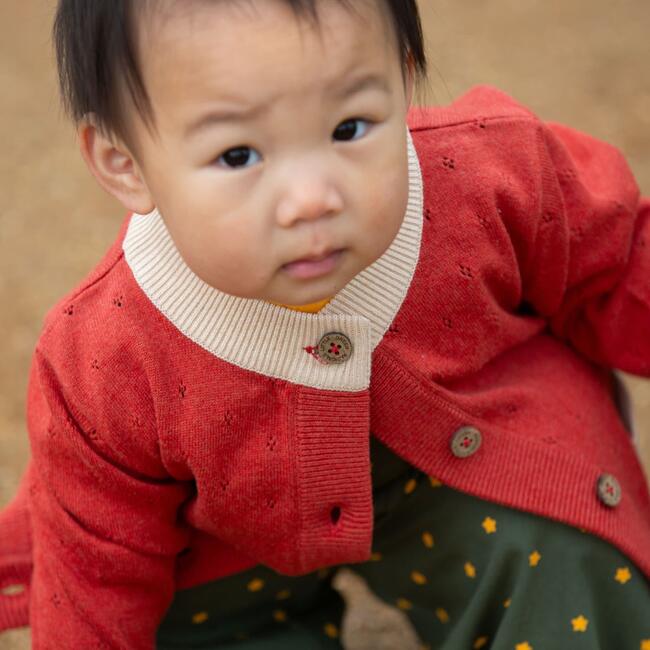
348, 128
236, 157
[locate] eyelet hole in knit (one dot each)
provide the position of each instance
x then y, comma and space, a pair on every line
12, 590
335, 514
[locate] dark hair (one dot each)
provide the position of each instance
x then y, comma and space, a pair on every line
96, 55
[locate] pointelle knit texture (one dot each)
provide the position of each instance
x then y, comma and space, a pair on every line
179, 434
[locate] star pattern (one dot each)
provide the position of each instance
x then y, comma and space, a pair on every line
442, 615
410, 486
418, 578
534, 558
256, 584
470, 570
331, 630
200, 617
579, 623
622, 575
490, 525
280, 615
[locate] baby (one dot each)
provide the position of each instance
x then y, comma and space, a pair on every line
335, 330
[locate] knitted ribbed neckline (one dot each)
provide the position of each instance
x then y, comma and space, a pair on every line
265, 338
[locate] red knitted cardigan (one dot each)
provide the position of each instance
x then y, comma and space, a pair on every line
179, 434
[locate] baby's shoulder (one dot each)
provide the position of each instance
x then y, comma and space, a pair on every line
90, 328
478, 141
478, 106
92, 353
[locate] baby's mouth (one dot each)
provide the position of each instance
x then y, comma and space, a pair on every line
313, 267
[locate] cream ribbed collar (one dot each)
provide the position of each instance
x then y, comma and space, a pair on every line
269, 339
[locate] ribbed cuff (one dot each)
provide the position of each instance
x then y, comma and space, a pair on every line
15, 578
16, 561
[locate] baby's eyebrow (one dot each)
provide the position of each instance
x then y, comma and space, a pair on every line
353, 86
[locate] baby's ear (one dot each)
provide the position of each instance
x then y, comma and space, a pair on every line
114, 167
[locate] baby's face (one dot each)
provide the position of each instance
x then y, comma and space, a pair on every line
299, 166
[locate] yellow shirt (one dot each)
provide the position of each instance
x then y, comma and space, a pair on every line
312, 308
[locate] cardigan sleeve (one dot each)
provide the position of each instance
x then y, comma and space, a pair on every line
585, 256
104, 515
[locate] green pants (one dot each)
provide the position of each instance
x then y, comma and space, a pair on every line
469, 574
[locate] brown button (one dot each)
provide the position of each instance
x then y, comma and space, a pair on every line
609, 490
465, 442
335, 347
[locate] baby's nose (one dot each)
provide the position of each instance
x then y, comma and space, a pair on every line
309, 201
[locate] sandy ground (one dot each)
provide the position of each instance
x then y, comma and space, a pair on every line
581, 62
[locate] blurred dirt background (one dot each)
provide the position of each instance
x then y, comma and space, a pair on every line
580, 62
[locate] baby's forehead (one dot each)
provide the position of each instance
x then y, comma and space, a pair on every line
194, 61
169, 22
215, 46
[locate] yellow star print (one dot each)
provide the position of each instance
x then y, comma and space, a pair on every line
200, 617
506, 603
623, 575
534, 558
411, 484
404, 603
418, 578
434, 482
331, 630
480, 642
524, 646
255, 584
470, 570
645, 644
490, 525
427, 539
280, 615
579, 623
442, 615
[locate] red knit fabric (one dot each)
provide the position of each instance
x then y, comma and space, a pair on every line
532, 282
15, 558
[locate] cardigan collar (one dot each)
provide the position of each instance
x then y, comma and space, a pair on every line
269, 339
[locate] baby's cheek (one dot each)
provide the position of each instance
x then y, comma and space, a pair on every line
243, 268
388, 196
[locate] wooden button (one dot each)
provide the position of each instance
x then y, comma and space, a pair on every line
609, 490
335, 347
465, 442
